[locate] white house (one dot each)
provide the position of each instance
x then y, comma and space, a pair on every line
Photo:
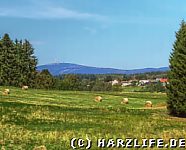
125, 83
143, 82
115, 82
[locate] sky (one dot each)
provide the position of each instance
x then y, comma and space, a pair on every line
123, 34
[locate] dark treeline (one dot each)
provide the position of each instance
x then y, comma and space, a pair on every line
102, 82
145, 76
84, 83
18, 68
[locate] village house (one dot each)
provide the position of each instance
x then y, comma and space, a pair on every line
115, 82
126, 83
143, 82
164, 81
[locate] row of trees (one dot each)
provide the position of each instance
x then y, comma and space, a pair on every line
17, 62
74, 82
154, 87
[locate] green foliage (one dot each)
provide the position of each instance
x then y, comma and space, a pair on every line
154, 87
44, 80
148, 75
81, 82
134, 83
8, 61
69, 82
108, 78
126, 77
102, 86
86, 85
177, 75
91, 82
17, 62
117, 87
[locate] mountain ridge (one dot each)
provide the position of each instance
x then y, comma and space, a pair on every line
71, 68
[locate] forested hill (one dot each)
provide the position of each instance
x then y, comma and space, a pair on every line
68, 68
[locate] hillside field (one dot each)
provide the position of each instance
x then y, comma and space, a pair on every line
32, 118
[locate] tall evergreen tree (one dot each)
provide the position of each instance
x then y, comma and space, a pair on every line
177, 76
20, 54
1, 63
8, 61
28, 64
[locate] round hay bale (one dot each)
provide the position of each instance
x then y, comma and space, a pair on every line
4, 93
125, 101
24, 87
3, 148
148, 104
7, 91
42, 147
98, 99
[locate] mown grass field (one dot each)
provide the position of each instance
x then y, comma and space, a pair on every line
52, 118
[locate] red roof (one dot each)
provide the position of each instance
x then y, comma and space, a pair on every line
163, 80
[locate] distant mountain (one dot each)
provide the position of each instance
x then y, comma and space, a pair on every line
68, 68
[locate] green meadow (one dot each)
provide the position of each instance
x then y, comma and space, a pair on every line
30, 118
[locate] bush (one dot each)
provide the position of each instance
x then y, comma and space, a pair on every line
154, 87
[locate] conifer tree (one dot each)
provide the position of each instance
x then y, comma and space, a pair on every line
1, 63
28, 64
177, 76
8, 61
20, 54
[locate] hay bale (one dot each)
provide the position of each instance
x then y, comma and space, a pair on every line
98, 99
42, 147
2, 142
125, 101
148, 104
24, 87
6, 92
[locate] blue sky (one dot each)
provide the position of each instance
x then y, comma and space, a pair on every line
124, 34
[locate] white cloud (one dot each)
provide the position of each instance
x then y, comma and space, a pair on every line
47, 11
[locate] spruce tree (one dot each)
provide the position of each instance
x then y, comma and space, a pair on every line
177, 75
8, 61
1, 63
20, 54
28, 64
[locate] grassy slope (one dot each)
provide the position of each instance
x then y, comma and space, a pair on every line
52, 118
